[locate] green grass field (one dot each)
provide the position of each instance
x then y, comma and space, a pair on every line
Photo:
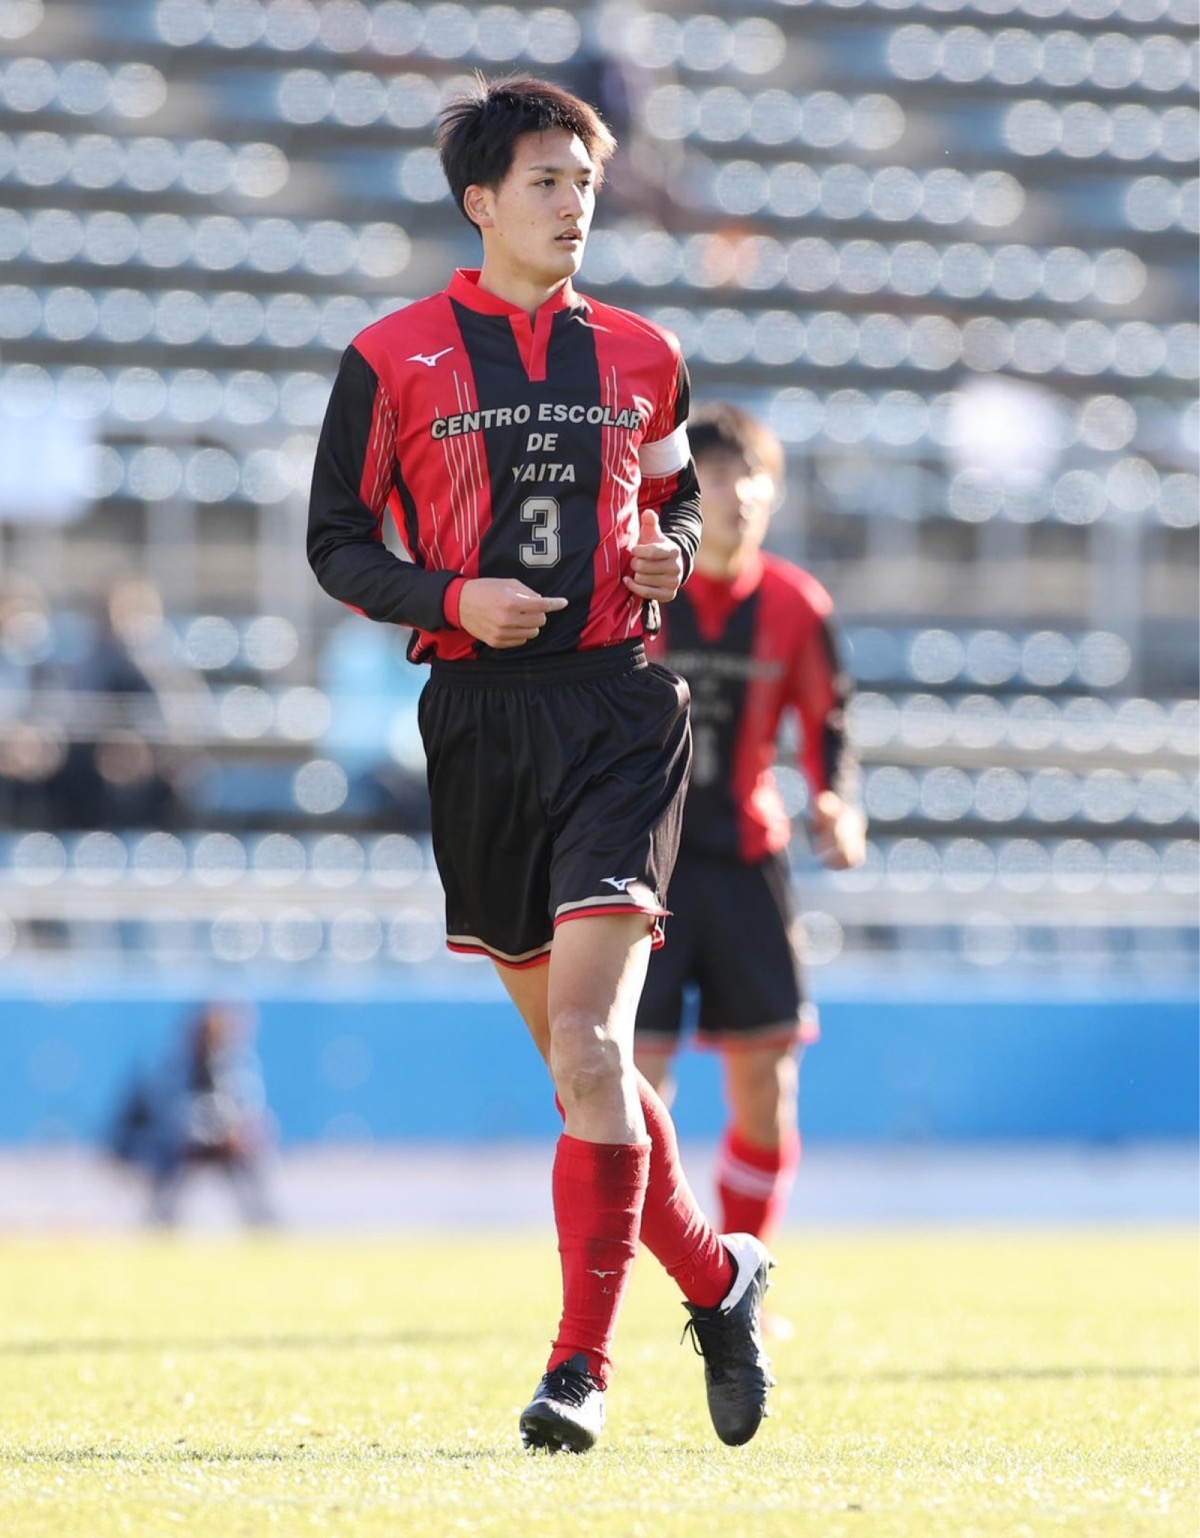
976, 1385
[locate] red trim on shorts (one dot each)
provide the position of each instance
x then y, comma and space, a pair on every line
465, 948
805, 1032
655, 915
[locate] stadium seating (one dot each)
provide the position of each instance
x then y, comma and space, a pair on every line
947, 248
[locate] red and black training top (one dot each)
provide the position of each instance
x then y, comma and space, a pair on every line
751, 651
502, 445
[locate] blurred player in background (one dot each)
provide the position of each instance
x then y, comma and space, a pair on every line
754, 638
532, 447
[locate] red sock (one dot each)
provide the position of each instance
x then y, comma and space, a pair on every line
754, 1183
599, 1189
674, 1229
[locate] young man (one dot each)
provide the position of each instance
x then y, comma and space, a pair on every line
753, 637
532, 447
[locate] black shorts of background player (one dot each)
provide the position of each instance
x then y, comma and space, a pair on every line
531, 446
754, 637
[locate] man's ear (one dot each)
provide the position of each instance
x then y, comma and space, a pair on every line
477, 205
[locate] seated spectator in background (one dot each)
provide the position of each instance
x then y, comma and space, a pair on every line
133, 705
33, 749
373, 692
205, 1107
99, 711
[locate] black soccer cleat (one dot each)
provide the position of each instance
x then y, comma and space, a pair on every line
737, 1374
567, 1412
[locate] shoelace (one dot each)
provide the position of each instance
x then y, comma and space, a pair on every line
569, 1386
711, 1345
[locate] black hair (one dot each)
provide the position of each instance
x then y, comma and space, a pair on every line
477, 133
723, 428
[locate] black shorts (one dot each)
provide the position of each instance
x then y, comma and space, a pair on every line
556, 789
730, 938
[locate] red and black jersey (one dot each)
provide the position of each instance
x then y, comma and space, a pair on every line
503, 445
751, 651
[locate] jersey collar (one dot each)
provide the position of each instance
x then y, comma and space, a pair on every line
741, 586
531, 334
464, 286
714, 600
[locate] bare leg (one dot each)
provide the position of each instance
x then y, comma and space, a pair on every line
674, 1229
246, 1177
655, 1065
762, 1086
580, 1011
603, 1097
760, 1151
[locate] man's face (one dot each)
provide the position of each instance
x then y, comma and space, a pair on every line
738, 498
536, 223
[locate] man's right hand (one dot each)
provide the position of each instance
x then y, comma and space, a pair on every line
502, 612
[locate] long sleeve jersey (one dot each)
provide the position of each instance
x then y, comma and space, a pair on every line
503, 445
753, 650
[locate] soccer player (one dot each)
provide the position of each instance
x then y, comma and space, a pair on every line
754, 637
531, 446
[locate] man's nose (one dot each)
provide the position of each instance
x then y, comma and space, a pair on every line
574, 201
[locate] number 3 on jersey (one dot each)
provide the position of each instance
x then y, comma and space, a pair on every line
544, 549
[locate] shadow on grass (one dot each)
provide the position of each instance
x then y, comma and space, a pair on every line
359, 1341
116, 1344
373, 1452
989, 1374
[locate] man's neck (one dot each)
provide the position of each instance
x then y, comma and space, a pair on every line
720, 568
526, 294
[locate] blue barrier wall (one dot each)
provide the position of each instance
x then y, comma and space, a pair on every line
414, 1067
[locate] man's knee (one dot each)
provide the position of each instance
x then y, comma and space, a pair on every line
787, 1077
764, 1088
587, 1064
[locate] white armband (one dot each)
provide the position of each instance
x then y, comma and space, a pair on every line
668, 455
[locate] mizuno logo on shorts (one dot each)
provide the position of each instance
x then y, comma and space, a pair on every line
620, 882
